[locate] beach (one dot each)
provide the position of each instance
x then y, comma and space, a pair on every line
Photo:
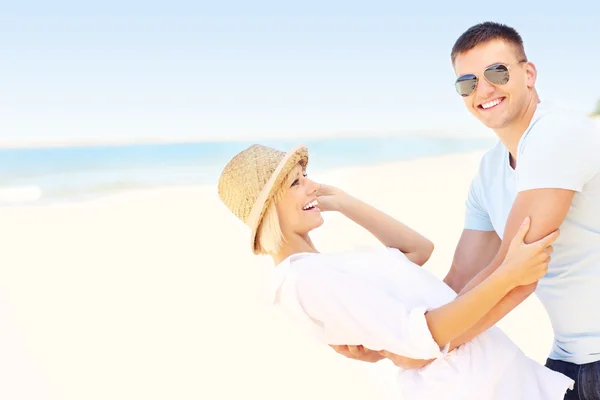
154, 294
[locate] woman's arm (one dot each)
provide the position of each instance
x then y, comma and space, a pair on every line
524, 265
388, 230
451, 320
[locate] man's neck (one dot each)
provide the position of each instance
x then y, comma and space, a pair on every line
511, 135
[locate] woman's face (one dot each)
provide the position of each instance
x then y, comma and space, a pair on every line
297, 209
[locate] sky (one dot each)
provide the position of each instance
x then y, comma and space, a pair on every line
220, 70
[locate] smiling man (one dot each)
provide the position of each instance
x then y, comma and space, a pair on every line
546, 164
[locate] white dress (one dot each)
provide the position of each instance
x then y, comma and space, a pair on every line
378, 299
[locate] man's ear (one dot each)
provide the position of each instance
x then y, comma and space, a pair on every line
530, 74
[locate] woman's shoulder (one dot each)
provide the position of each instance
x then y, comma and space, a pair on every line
338, 261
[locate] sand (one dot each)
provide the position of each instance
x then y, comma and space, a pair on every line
155, 294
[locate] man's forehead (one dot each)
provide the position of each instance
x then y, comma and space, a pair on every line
484, 55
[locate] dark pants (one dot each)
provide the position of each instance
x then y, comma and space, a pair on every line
586, 377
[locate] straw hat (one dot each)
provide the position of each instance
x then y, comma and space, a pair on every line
251, 178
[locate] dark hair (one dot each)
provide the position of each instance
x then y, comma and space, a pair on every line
485, 32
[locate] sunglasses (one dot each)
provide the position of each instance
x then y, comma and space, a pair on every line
497, 74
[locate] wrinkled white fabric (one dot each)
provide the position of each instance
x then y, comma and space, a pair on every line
378, 298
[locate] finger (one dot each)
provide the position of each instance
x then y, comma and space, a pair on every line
549, 239
523, 229
354, 350
548, 250
343, 350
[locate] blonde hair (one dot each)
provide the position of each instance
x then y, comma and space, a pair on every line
269, 236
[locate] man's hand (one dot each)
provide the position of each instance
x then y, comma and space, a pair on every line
405, 362
359, 353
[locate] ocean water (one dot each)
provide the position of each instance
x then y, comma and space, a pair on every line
41, 175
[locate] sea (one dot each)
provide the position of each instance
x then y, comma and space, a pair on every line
56, 174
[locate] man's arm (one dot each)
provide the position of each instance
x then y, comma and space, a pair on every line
548, 209
475, 250
557, 158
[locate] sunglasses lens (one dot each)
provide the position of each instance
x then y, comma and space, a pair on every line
465, 85
497, 74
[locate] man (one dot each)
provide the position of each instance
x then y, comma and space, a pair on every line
546, 165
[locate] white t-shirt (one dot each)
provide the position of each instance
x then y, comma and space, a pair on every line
558, 150
378, 299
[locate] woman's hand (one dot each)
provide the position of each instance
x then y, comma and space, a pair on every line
525, 264
329, 198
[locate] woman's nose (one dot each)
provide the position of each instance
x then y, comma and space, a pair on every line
313, 186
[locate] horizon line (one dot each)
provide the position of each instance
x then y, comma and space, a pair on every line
115, 142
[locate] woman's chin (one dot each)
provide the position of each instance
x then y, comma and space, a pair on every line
316, 221
320, 221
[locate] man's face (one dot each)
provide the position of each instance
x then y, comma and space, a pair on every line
497, 106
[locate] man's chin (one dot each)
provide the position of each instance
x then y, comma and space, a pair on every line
490, 122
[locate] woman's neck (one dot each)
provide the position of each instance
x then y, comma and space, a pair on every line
294, 244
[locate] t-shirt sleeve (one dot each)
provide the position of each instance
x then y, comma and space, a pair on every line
476, 216
559, 152
354, 312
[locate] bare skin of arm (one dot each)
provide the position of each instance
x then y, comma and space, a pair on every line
388, 230
474, 250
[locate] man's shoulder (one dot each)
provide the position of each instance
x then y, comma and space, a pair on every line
554, 127
550, 117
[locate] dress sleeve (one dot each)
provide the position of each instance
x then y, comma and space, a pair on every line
353, 312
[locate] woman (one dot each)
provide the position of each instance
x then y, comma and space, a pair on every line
381, 300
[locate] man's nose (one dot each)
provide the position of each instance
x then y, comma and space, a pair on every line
484, 88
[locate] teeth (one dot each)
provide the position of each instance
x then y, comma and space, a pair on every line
311, 204
491, 104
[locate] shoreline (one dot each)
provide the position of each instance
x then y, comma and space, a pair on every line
425, 133
136, 192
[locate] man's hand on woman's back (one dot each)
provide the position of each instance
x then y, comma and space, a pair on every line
361, 353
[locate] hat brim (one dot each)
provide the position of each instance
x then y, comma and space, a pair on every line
299, 154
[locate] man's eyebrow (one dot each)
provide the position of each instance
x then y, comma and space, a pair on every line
499, 62
487, 66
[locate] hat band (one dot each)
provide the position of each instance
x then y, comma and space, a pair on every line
257, 208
